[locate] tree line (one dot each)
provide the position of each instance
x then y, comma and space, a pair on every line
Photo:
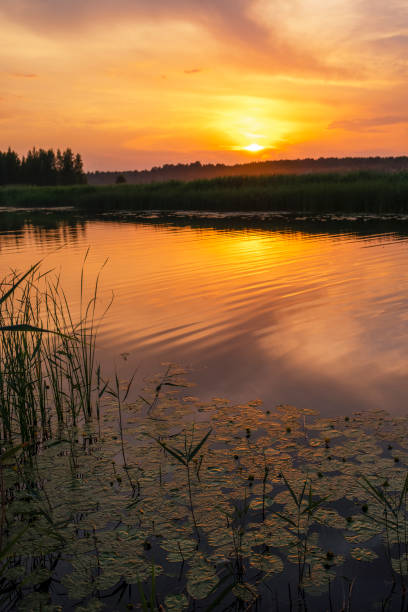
41, 167
196, 170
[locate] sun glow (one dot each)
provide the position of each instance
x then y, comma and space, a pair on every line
254, 148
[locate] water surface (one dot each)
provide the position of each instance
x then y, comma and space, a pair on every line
313, 316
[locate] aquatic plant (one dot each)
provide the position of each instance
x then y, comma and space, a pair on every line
47, 361
387, 507
298, 523
185, 457
374, 192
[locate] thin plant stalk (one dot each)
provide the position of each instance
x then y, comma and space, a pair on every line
185, 457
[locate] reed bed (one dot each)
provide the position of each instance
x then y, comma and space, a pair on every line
315, 193
48, 372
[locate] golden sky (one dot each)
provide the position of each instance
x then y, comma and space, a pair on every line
136, 83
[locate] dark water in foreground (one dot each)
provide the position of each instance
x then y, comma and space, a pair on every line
313, 315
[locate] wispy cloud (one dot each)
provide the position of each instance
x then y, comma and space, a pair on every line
236, 28
193, 71
371, 124
381, 17
396, 45
231, 15
23, 75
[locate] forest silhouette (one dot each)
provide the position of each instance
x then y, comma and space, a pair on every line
41, 167
197, 170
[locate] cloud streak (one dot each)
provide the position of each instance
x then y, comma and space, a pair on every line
377, 15
233, 25
371, 124
396, 45
23, 75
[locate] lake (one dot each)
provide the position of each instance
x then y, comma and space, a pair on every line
312, 314
217, 497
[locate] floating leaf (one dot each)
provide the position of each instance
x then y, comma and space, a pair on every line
201, 578
245, 592
270, 564
363, 554
176, 603
400, 565
93, 605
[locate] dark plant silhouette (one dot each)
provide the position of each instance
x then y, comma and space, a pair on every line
41, 167
198, 171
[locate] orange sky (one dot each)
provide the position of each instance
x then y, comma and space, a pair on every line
136, 83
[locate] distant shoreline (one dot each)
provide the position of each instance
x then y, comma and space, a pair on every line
355, 192
199, 171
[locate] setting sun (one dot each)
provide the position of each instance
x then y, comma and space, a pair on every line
254, 148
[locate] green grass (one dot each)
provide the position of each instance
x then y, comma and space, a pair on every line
316, 193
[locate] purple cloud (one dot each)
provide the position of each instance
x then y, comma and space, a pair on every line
397, 44
230, 15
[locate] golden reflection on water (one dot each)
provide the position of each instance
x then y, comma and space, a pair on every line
319, 320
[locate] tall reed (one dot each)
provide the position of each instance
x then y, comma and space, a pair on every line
48, 368
369, 192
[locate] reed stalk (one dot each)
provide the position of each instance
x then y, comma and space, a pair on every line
48, 369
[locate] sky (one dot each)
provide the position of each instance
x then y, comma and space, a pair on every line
136, 83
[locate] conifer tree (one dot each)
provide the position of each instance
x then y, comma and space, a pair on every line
41, 167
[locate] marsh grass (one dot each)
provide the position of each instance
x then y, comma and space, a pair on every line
185, 457
387, 506
47, 361
299, 524
148, 602
315, 193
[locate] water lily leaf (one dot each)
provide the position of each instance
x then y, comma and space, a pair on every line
270, 564
176, 603
363, 554
179, 549
318, 581
93, 605
36, 601
16, 573
245, 592
37, 576
400, 565
201, 578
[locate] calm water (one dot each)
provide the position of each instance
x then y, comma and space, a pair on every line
316, 319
